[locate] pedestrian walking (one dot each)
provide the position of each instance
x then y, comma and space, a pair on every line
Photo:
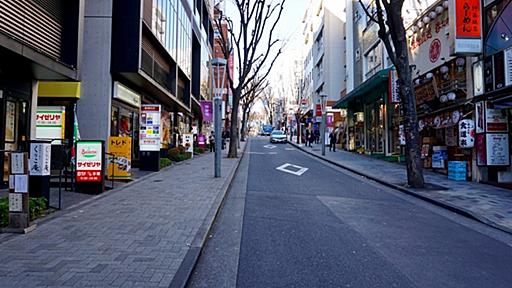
308, 143
317, 136
332, 141
211, 139
312, 138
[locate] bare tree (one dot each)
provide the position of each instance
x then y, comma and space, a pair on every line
392, 34
255, 47
248, 99
268, 102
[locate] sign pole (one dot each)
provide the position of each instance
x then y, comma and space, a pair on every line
323, 124
19, 218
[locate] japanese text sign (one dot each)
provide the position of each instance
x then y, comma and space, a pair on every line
120, 158
89, 161
465, 23
468, 18
466, 133
50, 122
150, 127
40, 157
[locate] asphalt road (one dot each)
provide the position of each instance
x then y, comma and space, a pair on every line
329, 228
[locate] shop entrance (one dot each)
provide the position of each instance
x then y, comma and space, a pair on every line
15, 131
125, 123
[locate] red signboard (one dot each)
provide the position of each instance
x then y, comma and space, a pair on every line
318, 110
468, 18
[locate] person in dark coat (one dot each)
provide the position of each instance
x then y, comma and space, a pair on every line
212, 142
308, 143
332, 141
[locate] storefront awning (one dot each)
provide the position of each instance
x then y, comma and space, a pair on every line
375, 84
57, 89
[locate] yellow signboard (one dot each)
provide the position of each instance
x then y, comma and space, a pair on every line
119, 158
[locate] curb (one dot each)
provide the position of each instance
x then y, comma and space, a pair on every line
189, 262
437, 202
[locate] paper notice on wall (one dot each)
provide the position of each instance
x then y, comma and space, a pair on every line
21, 183
15, 202
11, 182
17, 163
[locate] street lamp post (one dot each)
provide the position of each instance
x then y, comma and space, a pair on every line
217, 96
323, 125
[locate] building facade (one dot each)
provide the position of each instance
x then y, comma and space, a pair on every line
143, 52
493, 89
324, 64
462, 89
39, 69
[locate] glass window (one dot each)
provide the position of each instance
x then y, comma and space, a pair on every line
373, 61
114, 121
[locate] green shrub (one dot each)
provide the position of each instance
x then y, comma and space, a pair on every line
4, 212
37, 207
198, 150
164, 162
173, 152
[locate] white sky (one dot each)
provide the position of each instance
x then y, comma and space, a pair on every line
289, 30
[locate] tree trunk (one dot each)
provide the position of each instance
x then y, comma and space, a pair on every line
243, 127
233, 141
412, 138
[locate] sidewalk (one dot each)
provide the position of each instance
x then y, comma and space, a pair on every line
141, 234
488, 204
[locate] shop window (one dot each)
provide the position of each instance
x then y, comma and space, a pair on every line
372, 61
125, 123
114, 121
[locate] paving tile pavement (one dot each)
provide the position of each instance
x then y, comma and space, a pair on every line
134, 237
489, 204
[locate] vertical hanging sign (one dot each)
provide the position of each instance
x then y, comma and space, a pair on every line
465, 23
394, 94
150, 127
40, 157
207, 109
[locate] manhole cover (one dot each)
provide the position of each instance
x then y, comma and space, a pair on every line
158, 180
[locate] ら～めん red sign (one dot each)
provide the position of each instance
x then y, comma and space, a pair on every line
465, 23
468, 18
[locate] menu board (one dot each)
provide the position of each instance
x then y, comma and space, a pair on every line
150, 127
497, 149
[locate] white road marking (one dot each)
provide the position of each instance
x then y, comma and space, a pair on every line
299, 170
262, 153
290, 149
269, 146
